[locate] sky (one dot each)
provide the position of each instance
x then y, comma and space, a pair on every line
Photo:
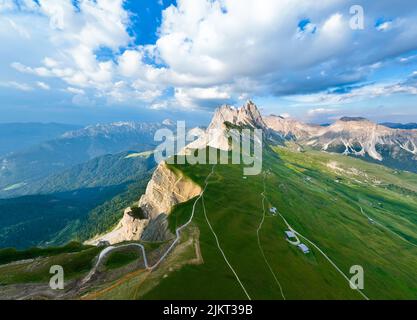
86, 61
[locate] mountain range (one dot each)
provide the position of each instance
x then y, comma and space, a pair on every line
396, 148
30, 165
328, 198
19, 136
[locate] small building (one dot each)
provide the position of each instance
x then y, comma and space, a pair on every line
273, 210
290, 235
303, 248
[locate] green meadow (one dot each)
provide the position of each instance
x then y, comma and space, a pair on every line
320, 195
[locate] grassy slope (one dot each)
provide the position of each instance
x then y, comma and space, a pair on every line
321, 202
323, 208
121, 258
75, 263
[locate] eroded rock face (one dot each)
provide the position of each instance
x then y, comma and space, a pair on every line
355, 136
157, 230
361, 137
165, 190
217, 134
128, 229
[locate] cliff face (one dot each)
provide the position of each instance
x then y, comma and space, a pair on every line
354, 136
128, 229
365, 138
217, 134
165, 190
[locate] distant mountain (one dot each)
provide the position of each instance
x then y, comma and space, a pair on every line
56, 208
19, 136
72, 148
104, 171
291, 129
359, 137
407, 126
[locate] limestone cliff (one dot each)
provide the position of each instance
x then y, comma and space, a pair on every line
128, 229
217, 134
165, 190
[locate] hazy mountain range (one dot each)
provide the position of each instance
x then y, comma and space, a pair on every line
41, 160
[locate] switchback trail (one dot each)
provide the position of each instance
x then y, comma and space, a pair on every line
108, 250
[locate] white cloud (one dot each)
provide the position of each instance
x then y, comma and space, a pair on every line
320, 111
16, 85
75, 91
43, 85
194, 97
385, 26
356, 94
211, 51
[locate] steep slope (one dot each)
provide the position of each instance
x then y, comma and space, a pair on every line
107, 170
347, 211
168, 188
218, 132
165, 190
60, 206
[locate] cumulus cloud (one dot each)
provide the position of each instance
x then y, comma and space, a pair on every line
214, 51
361, 93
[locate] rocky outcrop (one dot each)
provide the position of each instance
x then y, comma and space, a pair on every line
218, 133
165, 190
128, 229
157, 229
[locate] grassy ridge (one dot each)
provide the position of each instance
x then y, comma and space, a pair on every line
320, 202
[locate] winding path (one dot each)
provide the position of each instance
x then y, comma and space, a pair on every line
321, 251
324, 255
259, 240
108, 250
385, 228
222, 252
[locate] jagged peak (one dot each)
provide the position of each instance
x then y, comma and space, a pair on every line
248, 114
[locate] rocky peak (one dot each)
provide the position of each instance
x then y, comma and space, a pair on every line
247, 115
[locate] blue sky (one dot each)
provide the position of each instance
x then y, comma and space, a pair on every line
84, 61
